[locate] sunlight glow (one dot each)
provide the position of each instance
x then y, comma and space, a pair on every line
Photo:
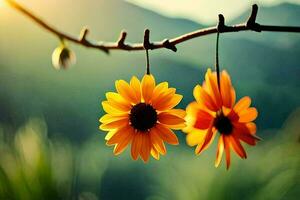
3, 3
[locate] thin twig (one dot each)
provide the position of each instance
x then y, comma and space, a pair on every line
217, 61
221, 27
250, 25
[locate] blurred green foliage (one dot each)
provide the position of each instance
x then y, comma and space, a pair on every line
32, 166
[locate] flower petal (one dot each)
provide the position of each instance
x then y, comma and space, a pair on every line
158, 91
110, 134
135, 84
136, 145
209, 137
107, 118
170, 104
251, 127
203, 120
243, 133
237, 147
177, 126
168, 118
165, 134
121, 146
212, 88
242, 104
155, 153
192, 109
248, 115
190, 118
108, 108
203, 98
114, 124
196, 137
120, 135
220, 150
167, 100
249, 139
146, 147
233, 97
227, 150
157, 142
164, 96
148, 85
231, 114
118, 102
227, 91
126, 91
177, 112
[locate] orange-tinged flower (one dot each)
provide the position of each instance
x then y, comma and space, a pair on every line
216, 111
142, 113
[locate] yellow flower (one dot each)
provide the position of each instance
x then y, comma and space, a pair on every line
142, 113
215, 111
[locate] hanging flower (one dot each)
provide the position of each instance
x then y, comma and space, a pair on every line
142, 113
63, 57
215, 111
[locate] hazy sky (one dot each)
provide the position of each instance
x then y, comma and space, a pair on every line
204, 10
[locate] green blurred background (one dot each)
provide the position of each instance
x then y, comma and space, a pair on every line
50, 145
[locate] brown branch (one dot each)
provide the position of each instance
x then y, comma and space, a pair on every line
250, 25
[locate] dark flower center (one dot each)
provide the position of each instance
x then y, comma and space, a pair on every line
143, 116
223, 124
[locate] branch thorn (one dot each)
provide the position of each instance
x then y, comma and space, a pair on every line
101, 46
251, 22
83, 33
221, 24
106, 50
121, 40
147, 45
168, 45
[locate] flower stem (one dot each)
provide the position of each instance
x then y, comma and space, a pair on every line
217, 61
147, 62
